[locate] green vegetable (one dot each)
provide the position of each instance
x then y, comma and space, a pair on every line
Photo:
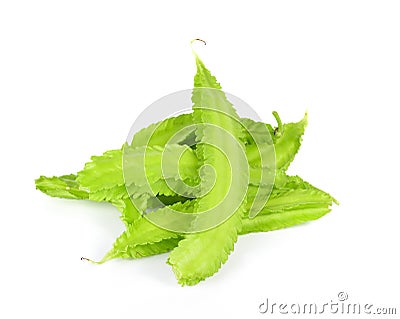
211, 107
222, 186
65, 186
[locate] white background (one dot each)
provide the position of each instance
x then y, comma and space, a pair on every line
75, 74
